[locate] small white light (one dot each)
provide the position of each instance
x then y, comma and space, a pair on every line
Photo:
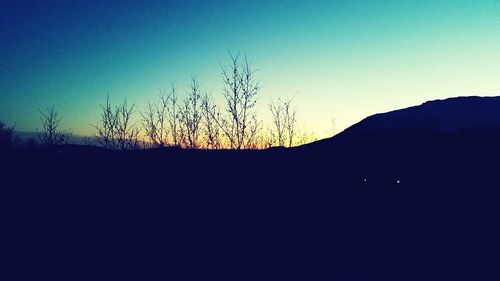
398, 182
364, 180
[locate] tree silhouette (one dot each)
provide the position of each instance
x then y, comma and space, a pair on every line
303, 137
333, 126
173, 116
262, 140
284, 120
277, 112
106, 129
211, 118
240, 123
51, 133
6, 136
115, 130
128, 132
194, 121
155, 120
290, 120
191, 114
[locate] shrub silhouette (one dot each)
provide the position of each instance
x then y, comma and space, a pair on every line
239, 124
211, 119
196, 121
155, 120
173, 116
51, 133
7, 136
115, 130
190, 115
284, 121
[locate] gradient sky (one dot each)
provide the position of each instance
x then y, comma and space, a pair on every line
342, 59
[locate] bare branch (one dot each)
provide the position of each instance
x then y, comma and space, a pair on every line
284, 120
173, 116
51, 133
115, 130
154, 120
239, 124
211, 122
191, 114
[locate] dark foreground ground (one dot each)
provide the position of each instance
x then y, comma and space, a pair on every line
80, 213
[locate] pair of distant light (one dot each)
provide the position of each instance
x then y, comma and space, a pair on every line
397, 181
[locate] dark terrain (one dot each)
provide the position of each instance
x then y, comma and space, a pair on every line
407, 195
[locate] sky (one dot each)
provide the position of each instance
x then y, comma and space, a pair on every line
340, 59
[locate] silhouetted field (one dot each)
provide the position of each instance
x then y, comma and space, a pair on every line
400, 206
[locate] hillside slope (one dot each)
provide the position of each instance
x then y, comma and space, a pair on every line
451, 115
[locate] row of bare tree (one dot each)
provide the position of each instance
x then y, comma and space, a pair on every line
51, 133
191, 121
195, 121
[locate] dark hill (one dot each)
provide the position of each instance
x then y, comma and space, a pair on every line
450, 142
451, 115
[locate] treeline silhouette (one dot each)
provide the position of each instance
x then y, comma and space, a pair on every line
192, 120
7, 137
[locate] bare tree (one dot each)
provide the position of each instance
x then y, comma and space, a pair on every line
51, 133
128, 132
211, 119
115, 130
284, 120
173, 116
154, 120
7, 136
333, 126
263, 140
290, 120
277, 112
304, 137
191, 114
240, 124
106, 128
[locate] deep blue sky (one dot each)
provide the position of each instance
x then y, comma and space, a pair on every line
342, 59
